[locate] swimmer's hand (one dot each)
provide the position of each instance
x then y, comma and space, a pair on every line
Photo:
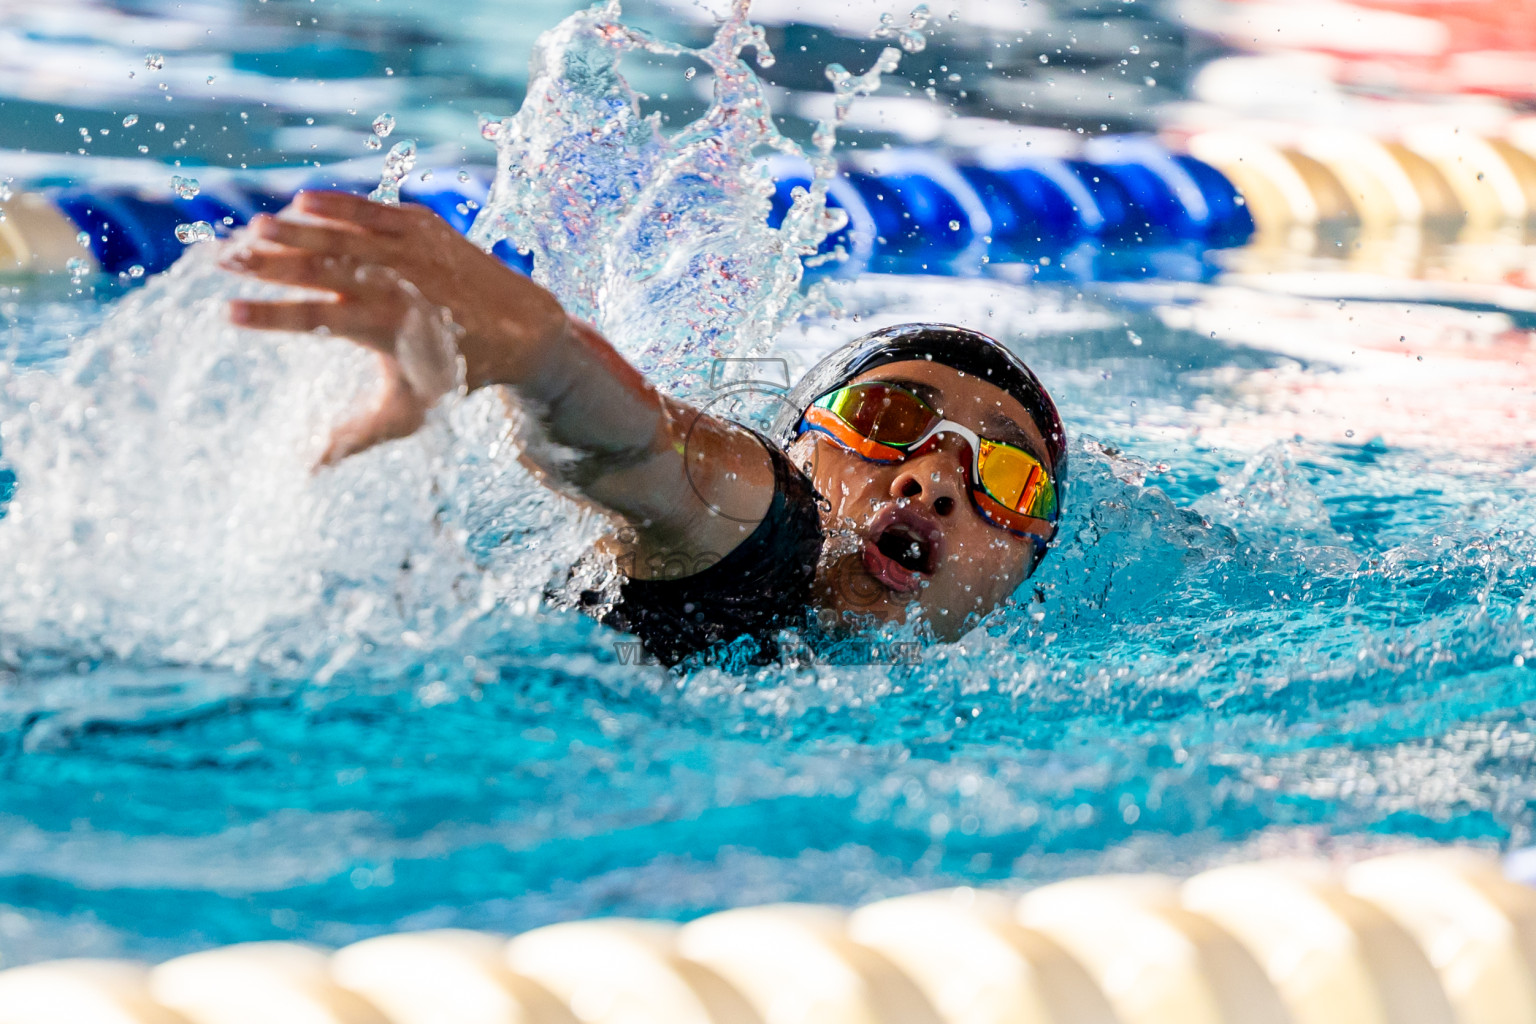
364, 253
400, 280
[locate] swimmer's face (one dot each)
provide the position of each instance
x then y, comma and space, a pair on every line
951, 565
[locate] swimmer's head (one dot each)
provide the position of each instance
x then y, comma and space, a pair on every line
887, 428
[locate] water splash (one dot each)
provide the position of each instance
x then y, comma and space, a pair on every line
398, 165
165, 512
684, 267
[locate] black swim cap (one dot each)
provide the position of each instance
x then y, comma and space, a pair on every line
961, 349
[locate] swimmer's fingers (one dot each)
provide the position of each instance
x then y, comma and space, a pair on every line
325, 239
398, 412
372, 324
364, 213
298, 267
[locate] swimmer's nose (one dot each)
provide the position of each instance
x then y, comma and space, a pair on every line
936, 478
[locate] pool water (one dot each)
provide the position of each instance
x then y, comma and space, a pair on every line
1290, 610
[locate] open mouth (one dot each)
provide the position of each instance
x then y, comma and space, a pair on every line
902, 549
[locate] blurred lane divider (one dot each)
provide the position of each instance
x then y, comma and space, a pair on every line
258, 983
1433, 936
81, 992
1334, 957
1157, 962
620, 971
1115, 208
908, 211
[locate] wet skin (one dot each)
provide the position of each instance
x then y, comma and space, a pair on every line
601, 433
972, 566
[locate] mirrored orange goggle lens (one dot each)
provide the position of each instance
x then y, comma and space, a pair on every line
881, 413
1016, 479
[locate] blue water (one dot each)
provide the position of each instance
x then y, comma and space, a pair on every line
1308, 645
1290, 610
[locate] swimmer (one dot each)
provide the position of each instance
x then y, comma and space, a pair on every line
917, 470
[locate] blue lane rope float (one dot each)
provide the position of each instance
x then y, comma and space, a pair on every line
909, 211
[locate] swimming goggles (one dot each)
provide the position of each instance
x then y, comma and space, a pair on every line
886, 423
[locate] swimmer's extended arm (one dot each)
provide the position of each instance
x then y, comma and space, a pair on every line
616, 441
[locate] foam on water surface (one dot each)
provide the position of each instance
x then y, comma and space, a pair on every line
243, 700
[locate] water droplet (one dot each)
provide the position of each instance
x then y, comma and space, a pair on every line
197, 231
1150, 81
398, 165
130, 120
1135, 338
490, 128
83, 239
210, 79
159, 126
185, 188
154, 61
1349, 433
954, 225
463, 176
1135, 49
910, 36
136, 271
373, 142
689, 73
1044, 59
383, 125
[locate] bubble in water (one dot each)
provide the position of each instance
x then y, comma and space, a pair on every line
954, 225
197, 231
398, 165
490, 128
130, 120
136, 271
83, 239
59, 118
383, 125
78, 268
154, 61
1135, 49
185, 188
689, 73
373, 142
426, 175
5, 189
463, 176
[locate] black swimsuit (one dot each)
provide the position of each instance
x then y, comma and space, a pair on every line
761, 587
